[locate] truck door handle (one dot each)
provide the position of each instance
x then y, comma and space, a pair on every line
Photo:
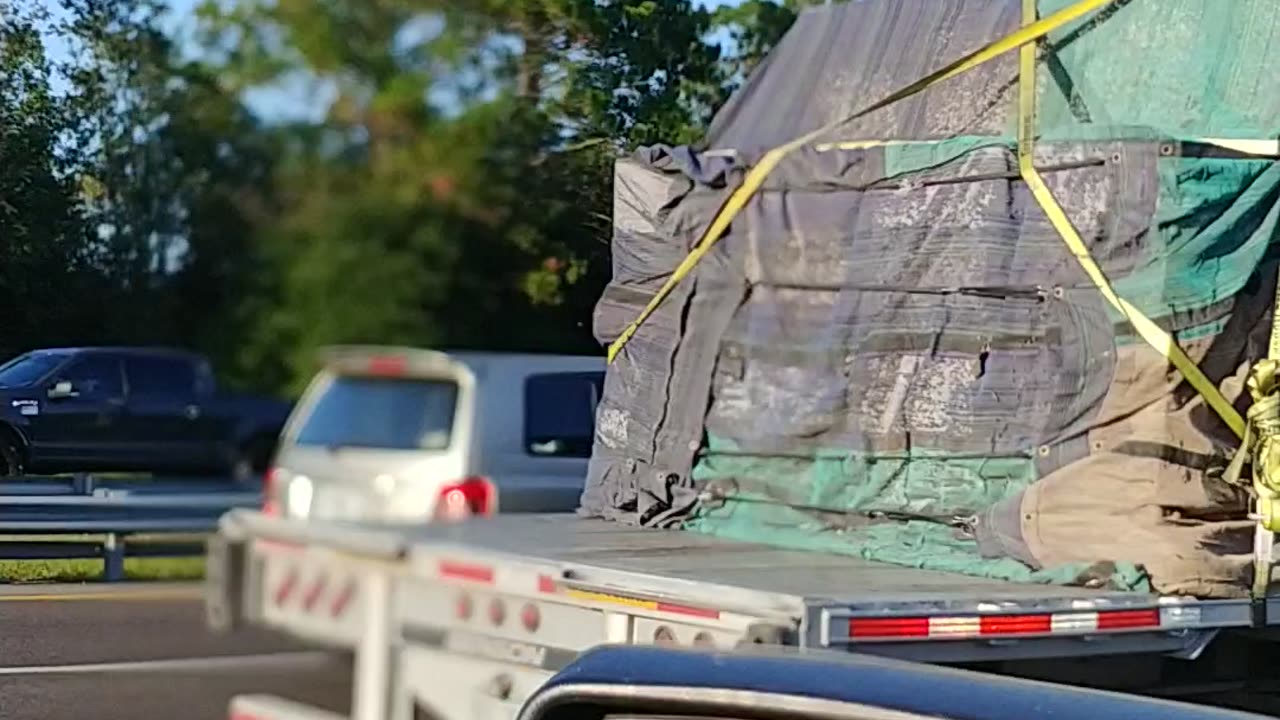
191, 411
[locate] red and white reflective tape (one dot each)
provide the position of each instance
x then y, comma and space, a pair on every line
503, 579
318, 593
532, 583
1021, 624
315, 592
270, 545
339, 603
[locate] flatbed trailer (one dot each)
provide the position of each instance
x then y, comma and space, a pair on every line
465, 621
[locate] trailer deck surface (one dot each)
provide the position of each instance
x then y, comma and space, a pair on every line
672, 562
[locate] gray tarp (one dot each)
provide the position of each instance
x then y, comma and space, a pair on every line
898, 329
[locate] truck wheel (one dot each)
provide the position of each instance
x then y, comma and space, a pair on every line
11, 464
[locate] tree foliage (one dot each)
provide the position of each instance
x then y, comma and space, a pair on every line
40, 237
450, 188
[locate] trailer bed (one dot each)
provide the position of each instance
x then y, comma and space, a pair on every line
673, 562
823, 600
692, 566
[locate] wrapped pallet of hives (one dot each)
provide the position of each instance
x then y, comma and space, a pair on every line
893, 353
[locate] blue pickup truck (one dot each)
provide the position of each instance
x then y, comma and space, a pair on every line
129, 409
639, 683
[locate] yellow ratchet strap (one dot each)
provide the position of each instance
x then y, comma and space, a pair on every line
1155, 336
1028, 33
1260, 448
1260, 435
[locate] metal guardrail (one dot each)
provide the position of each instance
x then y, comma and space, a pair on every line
55, 510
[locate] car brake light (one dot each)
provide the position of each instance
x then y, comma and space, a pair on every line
271, 491
461, 500
387, 365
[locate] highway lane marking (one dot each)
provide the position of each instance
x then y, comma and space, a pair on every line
306, 658
172, 594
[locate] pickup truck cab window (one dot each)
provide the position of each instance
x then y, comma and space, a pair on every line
160, 375
95, 376
560, 413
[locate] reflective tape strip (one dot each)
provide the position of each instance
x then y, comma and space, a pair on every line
547, 584
267, 545
340, 603
285, 588
643, 604
514, 580
1027, 624
452, 570
314, 593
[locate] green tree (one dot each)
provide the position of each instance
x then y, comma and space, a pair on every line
457, 191
755, 27
41, 232
177, 168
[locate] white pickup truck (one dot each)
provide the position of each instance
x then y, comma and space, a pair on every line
465, 621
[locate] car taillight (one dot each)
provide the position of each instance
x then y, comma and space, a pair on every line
461, 500
387, 366
271, 491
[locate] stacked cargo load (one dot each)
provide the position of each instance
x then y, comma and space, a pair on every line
893, 353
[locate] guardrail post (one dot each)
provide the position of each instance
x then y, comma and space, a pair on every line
82, 483
113, 558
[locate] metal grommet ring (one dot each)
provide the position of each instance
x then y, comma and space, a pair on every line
717, 492
1116, 158
1059, 293
1166, 149
1044, 450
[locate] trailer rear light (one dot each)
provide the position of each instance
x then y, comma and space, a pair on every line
530, 618
497, 611
463, 607
470, 497
979, 626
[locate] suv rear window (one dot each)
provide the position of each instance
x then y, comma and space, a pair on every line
383, 413
560, 413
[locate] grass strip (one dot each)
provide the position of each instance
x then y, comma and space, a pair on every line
91, 569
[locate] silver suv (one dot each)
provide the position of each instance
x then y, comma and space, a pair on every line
405, 435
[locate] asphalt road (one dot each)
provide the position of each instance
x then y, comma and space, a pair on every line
142, 653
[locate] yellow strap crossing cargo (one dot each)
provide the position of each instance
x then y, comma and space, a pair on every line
873, 337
